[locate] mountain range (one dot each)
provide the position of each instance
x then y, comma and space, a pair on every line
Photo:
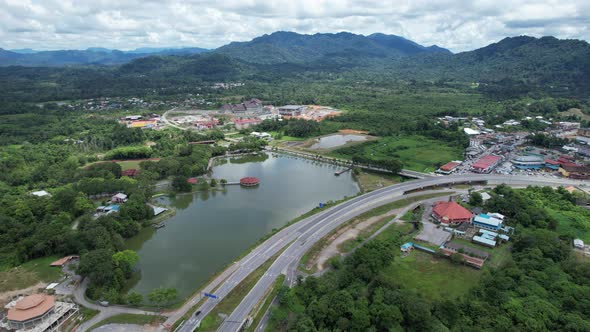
512, 65
90, 56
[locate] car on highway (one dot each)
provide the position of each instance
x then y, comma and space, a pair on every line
197, 313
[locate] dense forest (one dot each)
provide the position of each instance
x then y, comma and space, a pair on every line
542, 287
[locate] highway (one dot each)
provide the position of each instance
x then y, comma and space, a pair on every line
302, 235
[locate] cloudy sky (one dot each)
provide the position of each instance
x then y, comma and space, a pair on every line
126, 24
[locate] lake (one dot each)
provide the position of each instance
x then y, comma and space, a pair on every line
332, 141
211, 229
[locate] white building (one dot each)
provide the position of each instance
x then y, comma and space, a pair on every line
578, 243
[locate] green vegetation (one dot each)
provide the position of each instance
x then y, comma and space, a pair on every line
435, 278
233, 299
376, 289
130, 319
28, 274
415, 152
277, 285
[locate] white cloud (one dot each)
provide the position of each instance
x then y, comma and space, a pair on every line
459, 25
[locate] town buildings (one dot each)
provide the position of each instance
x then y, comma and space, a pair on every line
291, 110
449, 167
488, 221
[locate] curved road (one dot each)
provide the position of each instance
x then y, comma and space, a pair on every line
302, 235
104, 312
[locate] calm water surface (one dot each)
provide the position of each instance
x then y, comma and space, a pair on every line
211, 229
332, 141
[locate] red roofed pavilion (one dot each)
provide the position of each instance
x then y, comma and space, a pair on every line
451, 213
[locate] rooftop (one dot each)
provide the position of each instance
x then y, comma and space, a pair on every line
450, 166
451, 211
486, 162
31, 307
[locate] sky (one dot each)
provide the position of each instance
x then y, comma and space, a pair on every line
459, 25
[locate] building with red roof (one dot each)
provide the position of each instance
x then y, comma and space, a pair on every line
192, 180
30, 310
449, 167
486, 164
450, 213
249, 181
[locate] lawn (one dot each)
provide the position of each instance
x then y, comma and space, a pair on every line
29, 274
370, 181
417, 153
435, 278
130, 319
129, 164
574, 223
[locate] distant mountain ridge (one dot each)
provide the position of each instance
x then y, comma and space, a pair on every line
290, 47
89, 56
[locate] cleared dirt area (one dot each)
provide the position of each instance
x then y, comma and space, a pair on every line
346, 233
6, 296
352, 131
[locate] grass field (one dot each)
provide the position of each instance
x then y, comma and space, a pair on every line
435, 278
417, 153
29, 274
130, 319
572, 223
369, 181
125, 165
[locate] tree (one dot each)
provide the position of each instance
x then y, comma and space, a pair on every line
126, 260
457, 258
162, 296
213, 183
475, 199
134, 298
180, 184
223, 182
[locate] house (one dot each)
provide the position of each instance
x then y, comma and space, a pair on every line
407, 247
64, 260
38, 312
486, 164
486, 221
291, 110
192, 180
30, 311
253, 105
578, 243
484, 241
450, 213
449, 167
485, 196
574, 171
119, 198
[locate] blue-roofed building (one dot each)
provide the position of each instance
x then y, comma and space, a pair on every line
483, 241
487, 222
406, 246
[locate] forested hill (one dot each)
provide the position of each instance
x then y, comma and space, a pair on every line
559, 65
291, 47
91, 56
513, 66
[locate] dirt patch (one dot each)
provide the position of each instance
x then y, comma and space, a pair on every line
352, 131
6, 296
351, 231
